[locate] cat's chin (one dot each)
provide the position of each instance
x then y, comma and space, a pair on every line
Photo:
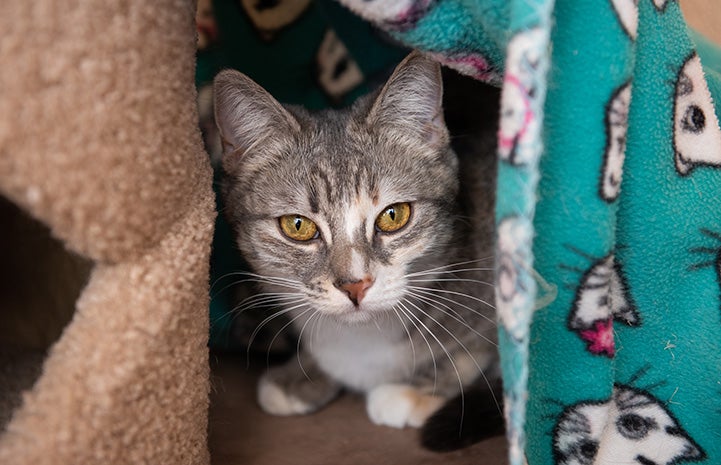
356, 317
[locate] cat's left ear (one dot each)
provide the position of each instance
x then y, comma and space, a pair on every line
246, 115
412, 100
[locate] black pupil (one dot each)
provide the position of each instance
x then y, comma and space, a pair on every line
392, 213
297, 223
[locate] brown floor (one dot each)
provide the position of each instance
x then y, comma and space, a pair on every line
240, 433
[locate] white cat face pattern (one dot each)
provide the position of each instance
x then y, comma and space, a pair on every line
601, 297
632, 427
470, 64
615, 153
392, 14
661, 4
627, 12
514, 285
338, 73
519, 126
270, 16
696, 132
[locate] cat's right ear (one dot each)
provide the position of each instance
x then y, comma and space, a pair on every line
246, 114
412, 100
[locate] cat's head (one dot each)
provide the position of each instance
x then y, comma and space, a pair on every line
343, 204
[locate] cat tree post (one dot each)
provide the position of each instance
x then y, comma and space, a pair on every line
99, 140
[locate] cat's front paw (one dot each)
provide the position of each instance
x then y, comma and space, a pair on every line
400, 405
275, 400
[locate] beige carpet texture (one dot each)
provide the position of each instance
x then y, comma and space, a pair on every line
99, 142
106, 221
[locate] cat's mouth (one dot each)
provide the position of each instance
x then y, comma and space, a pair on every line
361, 314
358, 316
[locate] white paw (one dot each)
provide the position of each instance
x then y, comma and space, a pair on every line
399, 405
274, 400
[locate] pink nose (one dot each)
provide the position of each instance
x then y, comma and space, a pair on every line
356, 290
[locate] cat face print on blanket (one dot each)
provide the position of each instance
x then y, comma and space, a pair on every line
520, 123
270, 16
352, 224
397, 15
602, 296
633, 427
696, 132
615, 152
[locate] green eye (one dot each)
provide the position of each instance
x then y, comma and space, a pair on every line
394, 217
298, 227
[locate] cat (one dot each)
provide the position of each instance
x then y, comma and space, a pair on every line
351, 221
631, 427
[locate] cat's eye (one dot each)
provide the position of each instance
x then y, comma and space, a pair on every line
633, 426
298, 227
393, 217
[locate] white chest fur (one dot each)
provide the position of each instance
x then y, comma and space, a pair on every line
362, 357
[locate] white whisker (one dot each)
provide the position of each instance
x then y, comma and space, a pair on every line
410, 339
460, 294
463, 346
444, 267
440, 325
443, 347
237, 311
431, 292
250, 276
314, 329
259, 276
446, 272
300, 335
255, 280
264, 298
266, 320
375, 323
433, 303
457, 280
277, 333
404, 310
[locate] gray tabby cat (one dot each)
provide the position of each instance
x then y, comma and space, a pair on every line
353, 223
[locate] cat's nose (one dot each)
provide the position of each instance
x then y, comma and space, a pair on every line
356, 290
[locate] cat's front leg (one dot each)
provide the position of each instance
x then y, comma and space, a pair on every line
413, 402
296, 388
400, 405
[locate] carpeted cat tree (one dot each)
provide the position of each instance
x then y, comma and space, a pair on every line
99, 141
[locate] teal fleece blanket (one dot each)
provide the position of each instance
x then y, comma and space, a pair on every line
608, 219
